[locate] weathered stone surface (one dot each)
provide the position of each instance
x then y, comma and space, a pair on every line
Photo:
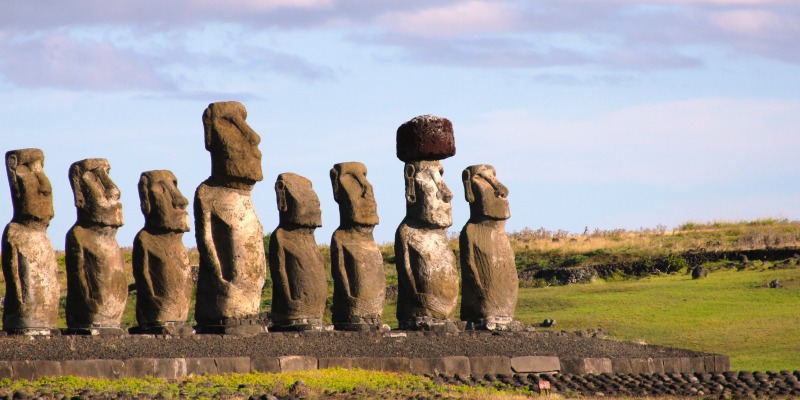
229, 235
160, 260
265, 364
721, 363
200, 366
29, 262
170, 368
139, 367
6, 370
535, 364
489, 282
480, 366
579, 366
297, 363
233, 365
300, 288
622, 365
396, 364
671, 365
97, 286
699, 272
426, 266
111, 369
441, 365
426, 137
336, 362
359, 282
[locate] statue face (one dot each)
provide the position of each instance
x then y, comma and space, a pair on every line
298, 204
233, 144
163, 205
354, 194
486, 195
96, 196
31, 192
430, 200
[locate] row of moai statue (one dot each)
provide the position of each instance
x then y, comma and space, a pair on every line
232, 270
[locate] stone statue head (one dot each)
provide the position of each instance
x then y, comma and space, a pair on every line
96, 196
354, 194
298, 204
427, 196
235, 158
485, 194
31, 193
163, 205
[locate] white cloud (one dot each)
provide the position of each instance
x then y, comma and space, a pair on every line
755, 23
457, 19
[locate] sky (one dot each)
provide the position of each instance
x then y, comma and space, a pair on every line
596, 114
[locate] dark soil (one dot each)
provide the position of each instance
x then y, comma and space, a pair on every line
329, 344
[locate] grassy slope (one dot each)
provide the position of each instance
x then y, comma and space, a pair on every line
729, 312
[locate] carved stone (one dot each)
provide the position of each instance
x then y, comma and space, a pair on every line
299, 286
97, 287
489, 280
426, 137
359, 282
426, 267
160, 260
229, 235
29, 263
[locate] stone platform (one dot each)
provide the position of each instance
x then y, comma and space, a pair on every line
462, 354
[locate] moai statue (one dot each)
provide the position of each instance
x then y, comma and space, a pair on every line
29, 263
359, 282
160, 260
97, 288
489, 280
299, 284
426, 267
229, 235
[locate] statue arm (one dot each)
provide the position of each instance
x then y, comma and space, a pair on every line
11, 265
278, 258
468, 261
141, 269
403, 262
337, 264
76, 271
205, 243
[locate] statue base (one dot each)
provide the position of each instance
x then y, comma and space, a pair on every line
429, 324
94, 331
495, 324
33, 332
164, 328
232, 326
357, 324
300, 325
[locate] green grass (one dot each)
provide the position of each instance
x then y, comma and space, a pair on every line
729, 313
318, 383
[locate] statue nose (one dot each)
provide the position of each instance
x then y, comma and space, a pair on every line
44, 185
445, 194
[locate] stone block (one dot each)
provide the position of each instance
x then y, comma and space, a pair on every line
708, 363
200, 366
535, 364
47, 368
336, 362
265, 364
671, 365
396, 364
621, 366
6, 371
480, 366
170, 368
686, 365
140, 367
581, 366
698, 364
368, 363
111, 369
655, 365
722, 363
297, 363
232, 365
639, 366
23, 370
441, 365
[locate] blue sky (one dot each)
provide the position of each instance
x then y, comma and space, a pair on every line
607, 114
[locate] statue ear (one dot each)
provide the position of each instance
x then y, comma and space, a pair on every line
207, 127
466, 177
335, 183
144, 194
280, 192
410, 172
11, 163
75, 173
